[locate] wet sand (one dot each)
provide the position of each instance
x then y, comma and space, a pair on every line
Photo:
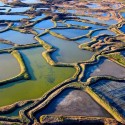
74, 102
108, 67
113, 91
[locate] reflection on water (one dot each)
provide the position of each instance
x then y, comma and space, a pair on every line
67, 51
9, 66
44, 24
17, 37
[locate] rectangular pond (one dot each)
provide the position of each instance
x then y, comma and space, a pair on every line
18, 37
44, 24
12, 17
93, 19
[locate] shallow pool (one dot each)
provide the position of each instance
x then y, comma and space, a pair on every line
67, 51
17, 37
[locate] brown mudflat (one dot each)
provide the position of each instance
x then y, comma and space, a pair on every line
109, 68
74, 102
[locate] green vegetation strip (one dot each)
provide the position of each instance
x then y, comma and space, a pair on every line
44, 44
23, 73
47, 57
51, 119
116, 57
105, 105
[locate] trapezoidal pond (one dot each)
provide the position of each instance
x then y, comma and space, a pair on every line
75, 103
113, 92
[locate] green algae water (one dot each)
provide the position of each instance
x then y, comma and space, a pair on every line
43, 78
